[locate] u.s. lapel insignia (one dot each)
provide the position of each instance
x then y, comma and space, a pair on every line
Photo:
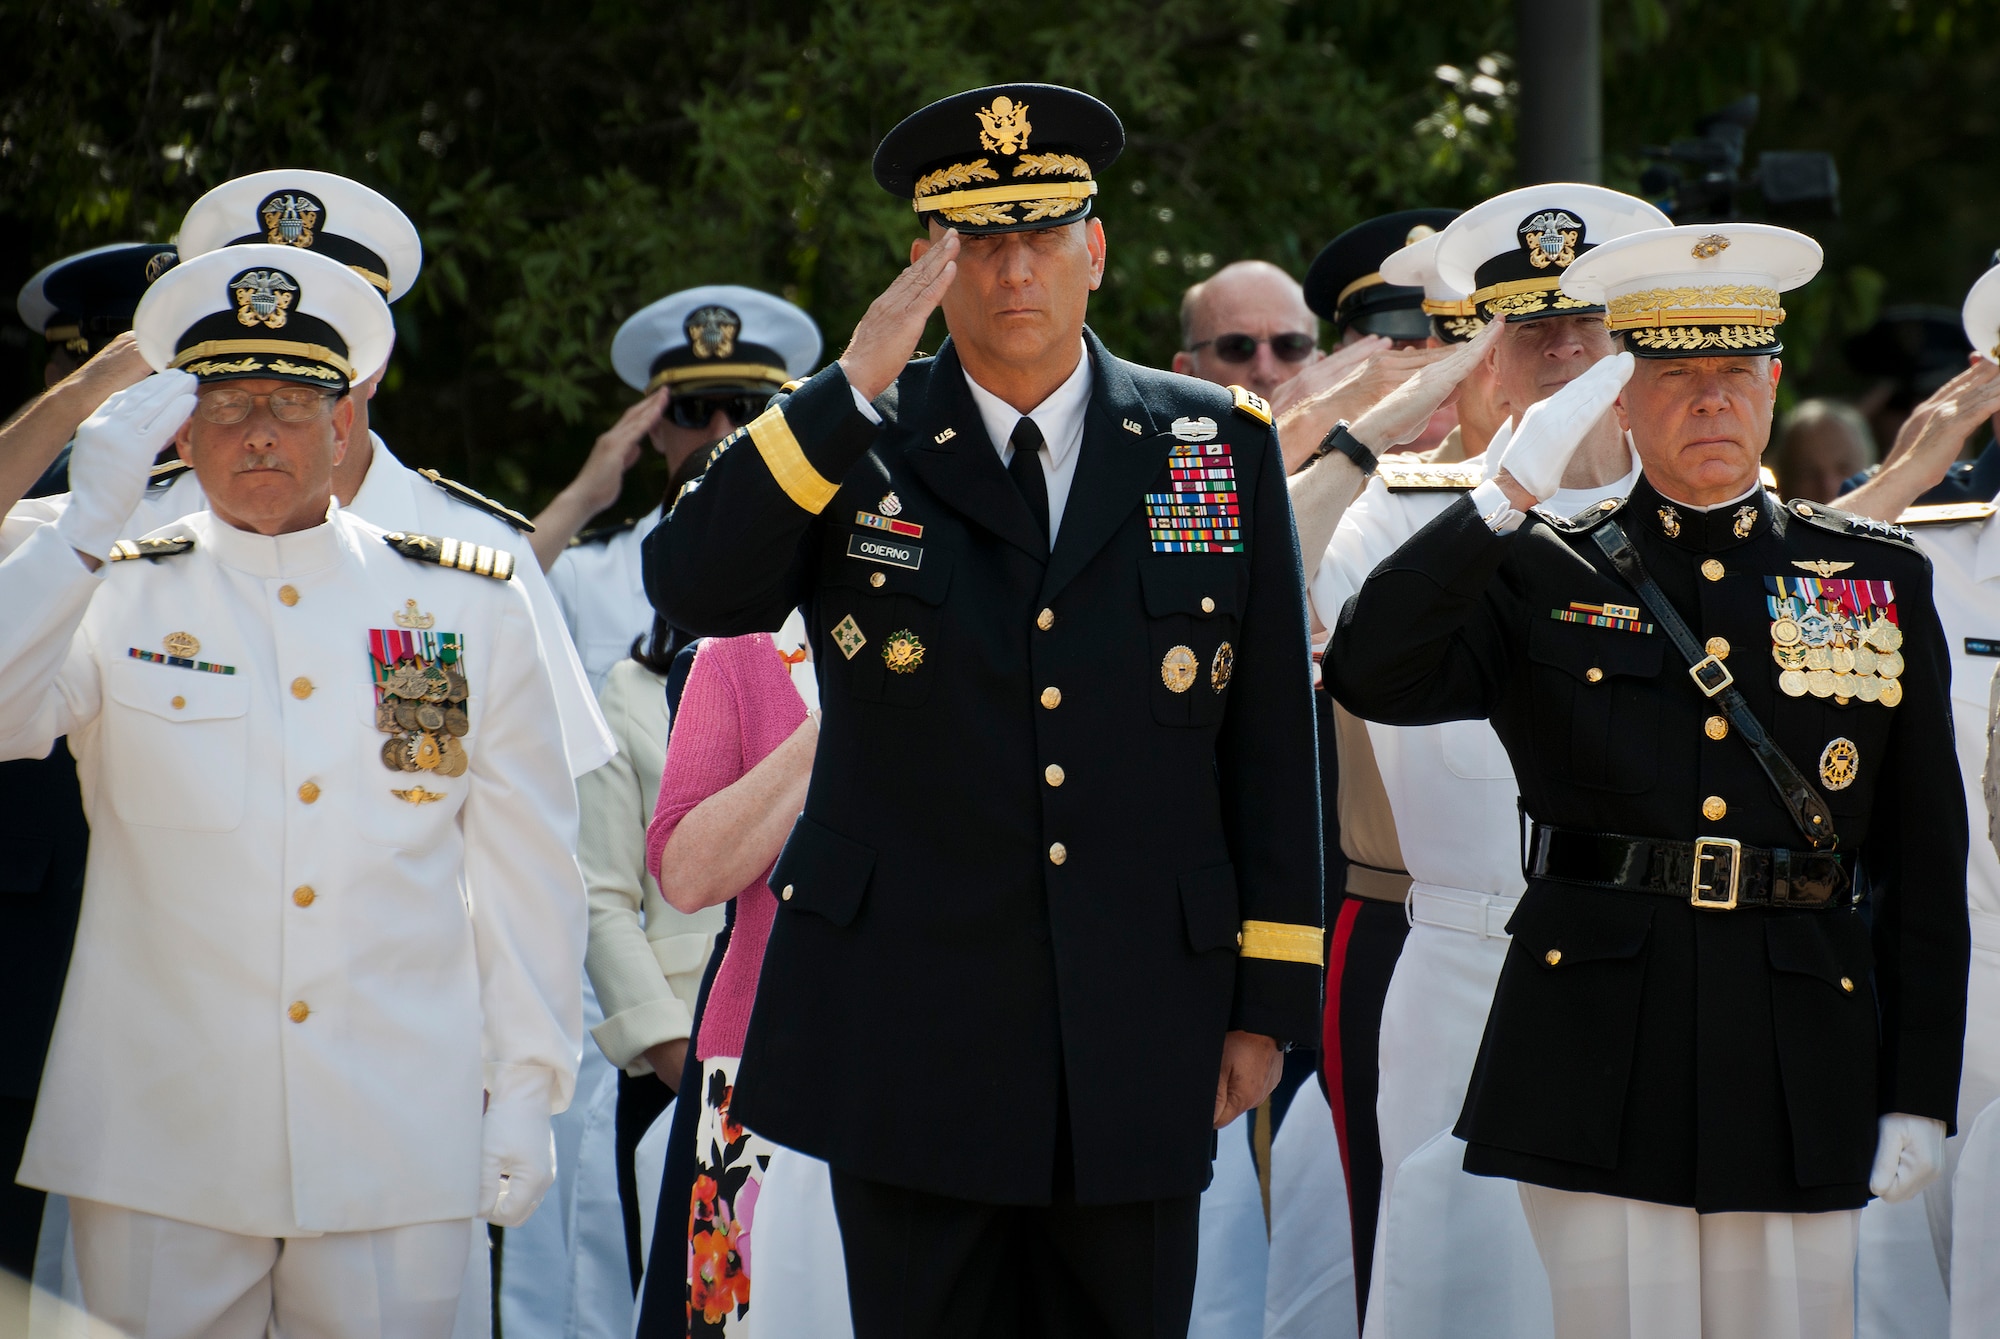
1839, 764
847, 637
945, 436
1820, 567
891, 505
1132, 427
903, 652
1746, 521
1178, 669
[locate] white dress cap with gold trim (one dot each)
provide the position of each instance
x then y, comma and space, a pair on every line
1698, 290
716, 338
1415, 266
1981, 315
265, 311
1507, 254
313, 211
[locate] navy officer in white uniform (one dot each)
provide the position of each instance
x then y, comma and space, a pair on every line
707, 360
365, 231
293, 1059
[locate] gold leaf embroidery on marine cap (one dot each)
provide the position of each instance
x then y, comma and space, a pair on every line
1686, 337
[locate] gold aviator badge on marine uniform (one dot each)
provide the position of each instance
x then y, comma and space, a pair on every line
1835, 638
420, 696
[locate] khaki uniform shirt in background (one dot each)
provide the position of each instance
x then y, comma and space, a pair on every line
647, 971
1367, 826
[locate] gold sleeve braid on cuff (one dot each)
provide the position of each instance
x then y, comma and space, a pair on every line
787, 462
1283, 943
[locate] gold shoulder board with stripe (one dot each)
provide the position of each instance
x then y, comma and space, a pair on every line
165, 547
1252, 405
1947, 513
1427, 476
164, 474
472, 497
1282, 943
453, 553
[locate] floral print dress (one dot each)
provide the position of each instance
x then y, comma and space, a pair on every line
730, 1162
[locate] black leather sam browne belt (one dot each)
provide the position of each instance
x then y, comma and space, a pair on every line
1713, 873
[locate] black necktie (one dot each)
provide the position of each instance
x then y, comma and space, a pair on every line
1026, 469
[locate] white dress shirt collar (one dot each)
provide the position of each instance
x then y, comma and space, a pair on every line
290, 555
1060, 416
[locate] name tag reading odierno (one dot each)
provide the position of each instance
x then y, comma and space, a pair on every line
871, 550
1982, 646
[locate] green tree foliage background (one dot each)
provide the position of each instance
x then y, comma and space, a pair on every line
569, 162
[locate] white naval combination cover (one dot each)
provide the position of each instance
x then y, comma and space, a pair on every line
281, 1010
1452, 1252
396, 497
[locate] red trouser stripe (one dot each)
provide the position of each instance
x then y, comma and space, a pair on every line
1343, 930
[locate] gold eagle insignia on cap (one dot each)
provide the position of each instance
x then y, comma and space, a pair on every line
1003, 126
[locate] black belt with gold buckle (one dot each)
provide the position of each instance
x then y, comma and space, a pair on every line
1712, 873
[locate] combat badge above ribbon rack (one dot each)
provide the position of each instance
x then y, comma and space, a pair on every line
420, 696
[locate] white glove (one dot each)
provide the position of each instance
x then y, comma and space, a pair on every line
113, 455
1538, 450
1909, 1155
517, 1162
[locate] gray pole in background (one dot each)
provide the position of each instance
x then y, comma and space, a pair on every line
1559, 128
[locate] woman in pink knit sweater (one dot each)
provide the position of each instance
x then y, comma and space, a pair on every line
738, 760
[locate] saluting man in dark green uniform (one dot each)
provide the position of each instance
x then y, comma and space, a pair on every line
1058, 868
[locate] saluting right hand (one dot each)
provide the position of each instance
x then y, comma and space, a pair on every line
113, 455
1400, 415
1534, 453
894, 322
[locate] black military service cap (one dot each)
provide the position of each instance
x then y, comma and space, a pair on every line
1345, 284
84, 301
1009, 158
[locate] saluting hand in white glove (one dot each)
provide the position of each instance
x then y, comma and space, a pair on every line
113, 455
1538, 449
1909, 1155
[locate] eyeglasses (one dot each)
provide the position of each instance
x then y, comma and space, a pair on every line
696, 411
1291, 346
289, 404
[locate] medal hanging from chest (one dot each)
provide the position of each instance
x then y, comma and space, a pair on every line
1836, 638
420, 699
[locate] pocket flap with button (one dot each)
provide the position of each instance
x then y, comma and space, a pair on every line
1202, 585
176, 694
1803, 945
822, 872
1209, 901
1604, 935
928, 582
1577, 649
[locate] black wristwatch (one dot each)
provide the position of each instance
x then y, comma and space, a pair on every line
1341, 440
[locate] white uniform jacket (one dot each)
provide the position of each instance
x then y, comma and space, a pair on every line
281, 1010
600, 585
396, 497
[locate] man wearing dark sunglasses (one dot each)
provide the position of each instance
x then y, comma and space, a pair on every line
707, 360
1247, 325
